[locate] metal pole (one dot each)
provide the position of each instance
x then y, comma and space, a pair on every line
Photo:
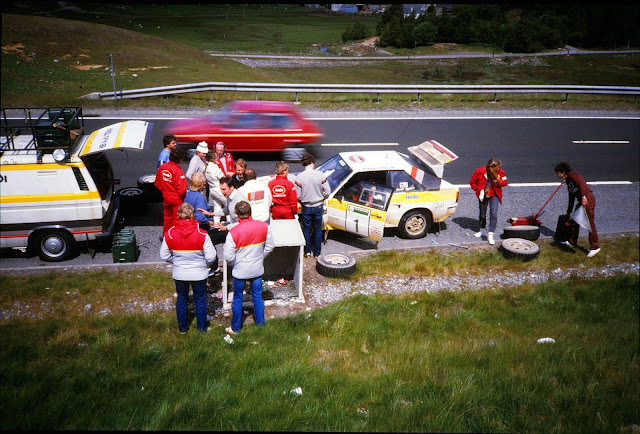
113, 77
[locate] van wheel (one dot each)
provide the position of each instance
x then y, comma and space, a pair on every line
335, 265
149, 189
415, 224
55, 246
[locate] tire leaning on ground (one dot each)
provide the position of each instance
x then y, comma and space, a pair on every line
527, 232
149, 190
336, 264
519, 248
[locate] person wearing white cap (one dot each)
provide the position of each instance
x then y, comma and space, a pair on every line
198, 162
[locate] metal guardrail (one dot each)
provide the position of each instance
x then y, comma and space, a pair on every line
368, 88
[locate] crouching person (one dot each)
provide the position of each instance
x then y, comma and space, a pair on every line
245, 248
191, 252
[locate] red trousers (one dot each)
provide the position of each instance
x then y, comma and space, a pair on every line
281, 212
170, 214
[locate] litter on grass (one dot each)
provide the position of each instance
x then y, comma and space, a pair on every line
546, 341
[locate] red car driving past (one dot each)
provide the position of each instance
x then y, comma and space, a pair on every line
249, 126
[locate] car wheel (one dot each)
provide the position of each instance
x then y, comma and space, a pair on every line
415, 224
130, 202
527, 232
519, 248
55, 245
336, 264
149, 189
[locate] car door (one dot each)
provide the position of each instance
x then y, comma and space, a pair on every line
360, 209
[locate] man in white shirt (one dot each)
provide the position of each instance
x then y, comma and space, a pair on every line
258, 195
198, 162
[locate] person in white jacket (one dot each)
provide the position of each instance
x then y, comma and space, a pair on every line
245, 248
259, 196
212, 174
191, 252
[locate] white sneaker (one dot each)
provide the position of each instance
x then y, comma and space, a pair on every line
480, 233
565, 243
592, 253
490, 238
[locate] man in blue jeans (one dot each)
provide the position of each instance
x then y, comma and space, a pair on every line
312, 189
191, 252
245, 248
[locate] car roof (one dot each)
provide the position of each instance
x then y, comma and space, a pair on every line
364, 161
262, 106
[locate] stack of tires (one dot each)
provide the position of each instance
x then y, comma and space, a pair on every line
519, 242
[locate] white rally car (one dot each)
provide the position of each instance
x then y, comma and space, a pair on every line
374, 190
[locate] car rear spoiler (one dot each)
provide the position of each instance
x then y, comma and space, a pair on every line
434, 155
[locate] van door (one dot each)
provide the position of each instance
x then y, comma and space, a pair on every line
360, 209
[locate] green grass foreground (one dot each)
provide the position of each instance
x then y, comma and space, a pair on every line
453, 361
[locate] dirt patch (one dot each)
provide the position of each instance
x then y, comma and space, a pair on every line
17, 49
86, 67
148, 68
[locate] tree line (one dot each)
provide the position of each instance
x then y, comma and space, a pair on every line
511, 28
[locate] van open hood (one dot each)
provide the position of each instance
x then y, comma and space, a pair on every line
434, 155
128, 135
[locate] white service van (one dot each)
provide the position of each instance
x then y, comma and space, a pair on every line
57, 187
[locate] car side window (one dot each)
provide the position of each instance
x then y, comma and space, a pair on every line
243, 121
400, 180
281, 121
368, 194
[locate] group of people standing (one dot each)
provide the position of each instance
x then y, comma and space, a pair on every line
487, 183
221, 198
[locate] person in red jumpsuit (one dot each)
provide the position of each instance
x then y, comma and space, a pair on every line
283, 194
171, 181
579, 191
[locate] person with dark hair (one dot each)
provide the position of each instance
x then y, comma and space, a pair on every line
245, 248
169, 143
312, 189
258, 195
171, 181
283, 193
487, 183
189, 249
579, 191
233, 196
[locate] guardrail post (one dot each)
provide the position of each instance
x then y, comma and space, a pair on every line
566, 97
256, 96
495, 97
211, 97
296, 102
418, 97
378, 102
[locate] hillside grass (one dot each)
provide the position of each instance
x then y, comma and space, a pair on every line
53, 61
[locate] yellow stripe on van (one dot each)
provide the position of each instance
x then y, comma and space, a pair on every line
44, 166
88, 195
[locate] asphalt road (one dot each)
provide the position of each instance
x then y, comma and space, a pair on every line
604, 149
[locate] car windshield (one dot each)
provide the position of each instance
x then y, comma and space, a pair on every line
430, 181
336, 171
221, 117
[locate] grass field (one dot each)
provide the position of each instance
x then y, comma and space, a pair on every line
53, 61
455, 361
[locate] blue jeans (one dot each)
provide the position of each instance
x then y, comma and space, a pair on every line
492, 202
199, 298
312, 222
236, 306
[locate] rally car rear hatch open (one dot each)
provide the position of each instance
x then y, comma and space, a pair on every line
434, 155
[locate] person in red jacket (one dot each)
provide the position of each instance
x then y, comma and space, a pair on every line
283, 194
579, 190
487, 182
171, 181
224, 160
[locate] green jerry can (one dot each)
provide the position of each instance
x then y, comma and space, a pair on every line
124, 246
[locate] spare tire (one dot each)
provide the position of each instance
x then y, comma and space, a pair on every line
149, 190
519, 248
336, 264
527, 232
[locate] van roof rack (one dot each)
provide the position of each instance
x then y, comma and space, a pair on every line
53, 128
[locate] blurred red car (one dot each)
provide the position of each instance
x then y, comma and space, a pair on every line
248, 126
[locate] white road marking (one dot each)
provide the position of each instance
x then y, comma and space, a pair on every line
358, 144
601, 142
552, 184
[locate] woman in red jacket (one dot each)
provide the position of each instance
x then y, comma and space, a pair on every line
487, 182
